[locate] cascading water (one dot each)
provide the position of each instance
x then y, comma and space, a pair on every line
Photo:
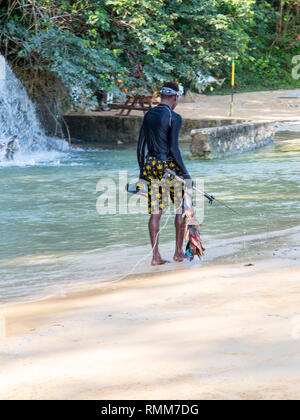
21, 134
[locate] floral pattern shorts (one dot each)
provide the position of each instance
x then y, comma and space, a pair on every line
159, 192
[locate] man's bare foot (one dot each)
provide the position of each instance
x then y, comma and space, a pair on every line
179, 257
158, 261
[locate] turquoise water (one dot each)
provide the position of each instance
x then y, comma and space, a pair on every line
52, 235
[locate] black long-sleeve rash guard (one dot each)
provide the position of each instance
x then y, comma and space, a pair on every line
160, 133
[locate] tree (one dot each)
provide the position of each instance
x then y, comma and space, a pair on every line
130, 46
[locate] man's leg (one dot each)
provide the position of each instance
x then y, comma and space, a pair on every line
179, 225
177, 194
154, 222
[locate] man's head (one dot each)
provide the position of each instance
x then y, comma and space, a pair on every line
170, 94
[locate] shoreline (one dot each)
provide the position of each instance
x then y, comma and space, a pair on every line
214, 257
220, 331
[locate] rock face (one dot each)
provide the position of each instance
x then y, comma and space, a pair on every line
49, 97
9, 148
230, 139
49, 115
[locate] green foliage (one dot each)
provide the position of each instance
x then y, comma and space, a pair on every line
274, 40
130, 46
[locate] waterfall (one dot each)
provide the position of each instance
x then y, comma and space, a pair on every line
21, 134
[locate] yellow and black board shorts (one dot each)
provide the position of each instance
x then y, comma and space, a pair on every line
160, 192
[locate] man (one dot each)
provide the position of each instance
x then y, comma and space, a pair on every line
160, 133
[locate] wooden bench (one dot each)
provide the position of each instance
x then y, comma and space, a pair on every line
135, 103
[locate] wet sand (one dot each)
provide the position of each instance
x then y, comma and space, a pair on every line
215, 332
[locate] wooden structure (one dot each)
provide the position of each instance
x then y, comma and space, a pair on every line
135, 103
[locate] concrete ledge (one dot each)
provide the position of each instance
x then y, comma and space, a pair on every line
230, 139
115, 129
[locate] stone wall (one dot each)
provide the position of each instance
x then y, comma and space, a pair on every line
230, 139
110, 129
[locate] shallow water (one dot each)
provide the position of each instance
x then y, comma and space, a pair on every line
52, 235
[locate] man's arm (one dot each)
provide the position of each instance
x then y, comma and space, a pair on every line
174, 145
141, 149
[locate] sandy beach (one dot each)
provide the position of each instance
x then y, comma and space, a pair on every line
215, 332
